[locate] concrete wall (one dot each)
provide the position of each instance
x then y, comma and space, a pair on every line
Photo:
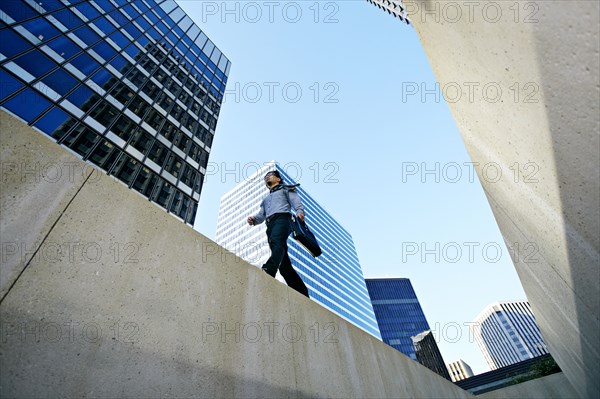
119, 299
550, 386
543, 56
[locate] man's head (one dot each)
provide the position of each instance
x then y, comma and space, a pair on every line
273, 178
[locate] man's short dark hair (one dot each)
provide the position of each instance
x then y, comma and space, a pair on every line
275, 173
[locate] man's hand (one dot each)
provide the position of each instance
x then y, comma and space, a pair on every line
251, 220
300, 216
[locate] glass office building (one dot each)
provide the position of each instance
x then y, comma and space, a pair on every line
429, 355
133, 87
334, 279
398, 312
507, 333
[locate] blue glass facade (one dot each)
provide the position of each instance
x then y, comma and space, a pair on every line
398, 312
334, 279
133, 87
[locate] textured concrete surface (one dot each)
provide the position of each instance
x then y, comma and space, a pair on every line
29, 210
144, 306
555, 386
542, 132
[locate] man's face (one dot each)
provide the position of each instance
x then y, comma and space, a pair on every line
271, 180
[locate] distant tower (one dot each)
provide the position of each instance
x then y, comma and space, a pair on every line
507, 333
459, 370
428, 353
398, 312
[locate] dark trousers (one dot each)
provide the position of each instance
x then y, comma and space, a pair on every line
278, 230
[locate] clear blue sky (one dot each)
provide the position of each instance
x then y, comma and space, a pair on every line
347, 137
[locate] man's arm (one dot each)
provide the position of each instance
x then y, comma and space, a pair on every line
258, 218
296, 204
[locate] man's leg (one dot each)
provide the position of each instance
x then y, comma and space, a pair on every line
291, 277
277, 234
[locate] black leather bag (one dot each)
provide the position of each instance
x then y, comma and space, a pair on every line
304, 236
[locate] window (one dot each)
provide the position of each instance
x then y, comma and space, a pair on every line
122, 93
174, 165
138, 106
35, 63
123, 127
104, 154
158, 153
120, 39
133, 51
60, 131
66, 17
9, 85
177, 200
163, 193
104, 113
168, 131
125, 169
41, 29
185, 206
106, 51
165, 101
150, 89
87, 9
83, 98
132, 30
104, 79
52, 120
85, 64
18, 11
141, 141
85, 142
86, 35
154, 119
104, 25
121, 64
182, 141
136, 77
28, 104
64, 47
145, 182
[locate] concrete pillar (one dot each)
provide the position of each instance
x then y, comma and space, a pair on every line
529, 108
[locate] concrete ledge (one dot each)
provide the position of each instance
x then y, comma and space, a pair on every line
144, 306
38, 181
551, 386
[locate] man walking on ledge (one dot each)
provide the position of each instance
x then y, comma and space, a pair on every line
275, 209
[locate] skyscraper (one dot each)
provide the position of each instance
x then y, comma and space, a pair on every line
459, 370
393, 7
334, 279
428, 353
398, 312
133, 87
507, 333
